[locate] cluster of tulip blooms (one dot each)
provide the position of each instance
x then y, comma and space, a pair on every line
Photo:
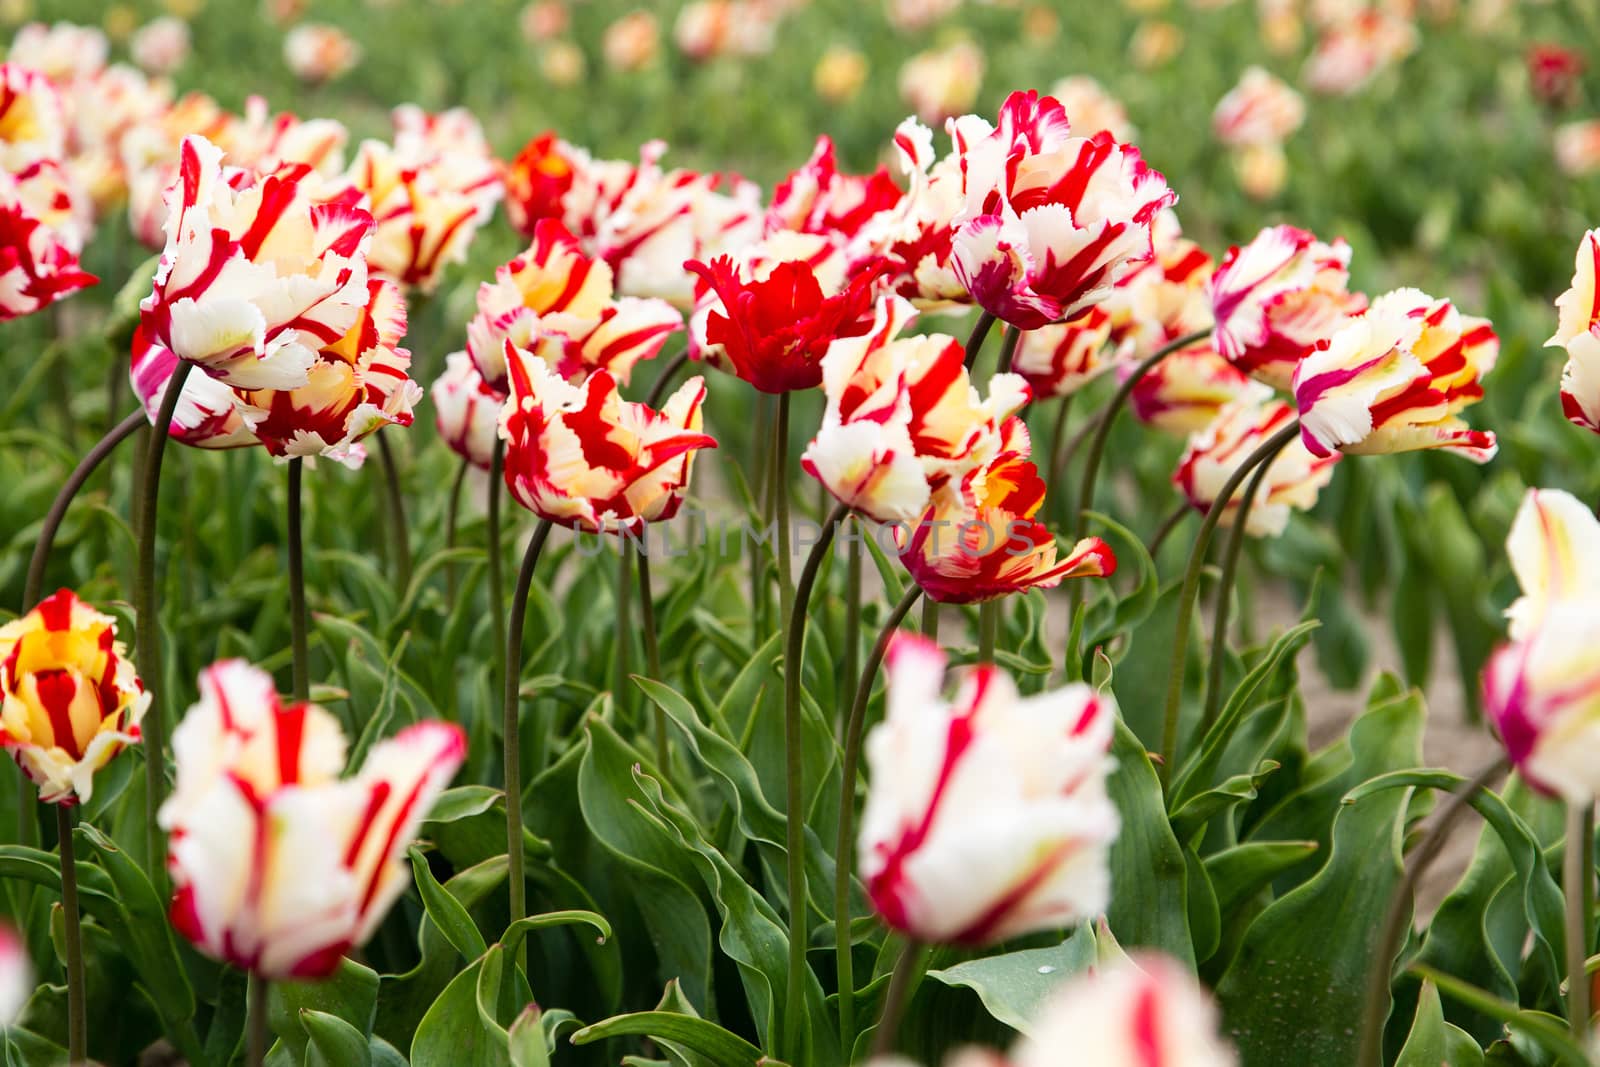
283, 280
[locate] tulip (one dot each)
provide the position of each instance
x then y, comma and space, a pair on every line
39, 242
161, 46
908, 16
840, 73
1293, 478
102, 111
357, 385
1554, 548
1091, 109
769, 315
979, 541
317, 53
258, 272
1154, 303
278, 865
903, 418
147, 158
543, 20
562, 63
1275, 298
706, 29
1578, 331
1352, 52
1060, 359
1146, 1010
1543, 696
72, 700
1395, 378
942, 83
16, 975
207, 415
33, 123
1154, 44
63, 51
1260, 110
987, 818
1262, 170
1554, 73
918, 239
818, 199
1577, 147
468, 410
263, 140
582, 457
631, 42
1187, 390
558, 303
1050, 220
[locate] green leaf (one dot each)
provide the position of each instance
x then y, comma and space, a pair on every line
1545, 1031
350, 994
333, 1042
527, 1041
1238, 873
452, 1034
1434, 1042
722, 1048
446, 911
1013, 985
1150, 904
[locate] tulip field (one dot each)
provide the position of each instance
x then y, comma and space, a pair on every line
718, 533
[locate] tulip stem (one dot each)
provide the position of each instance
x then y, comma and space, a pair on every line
1058, 432
259, 1033
794, 773
930, 620
1169, 524
980, 333
452, 516
297, 584
652, 648
1230, 568
146, 609
664, 380
780, 498
851, 664
623, 602
397, 515
988, 630
1577, 879
496, 556
1108, 417
77, 1007
69, 489
1191, 592
509, 726
854, 728
903, 982
1400, 903
1008, 350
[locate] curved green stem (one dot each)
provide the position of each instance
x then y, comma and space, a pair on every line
147, 610
397, 515
903, 982
794, 645
979, 334
69, 489
1168, 525
1191, 591
1391, 937
1230, 568
510, 722
652, 651
843, 864
1577, 882
77, 1006
297, 584
1108, 417
1008, 349
664, 380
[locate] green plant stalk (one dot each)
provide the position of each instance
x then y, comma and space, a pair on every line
988, 629
930, 619
146, 611
1108, 417
843, 864
77, 1006
780, 498
1008, 349
903, 982
664, 380
652, 652
496, 553
86, 467
979, 334
451, 518
624, 606
794, 647
1230, 568
1191, 592
1168, 525
1392, 935
298, 627
1577, 879
509, 727
260, 1035
852, 607
397, 515
1058, 433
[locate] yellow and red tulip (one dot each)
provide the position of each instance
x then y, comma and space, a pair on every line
1184, 392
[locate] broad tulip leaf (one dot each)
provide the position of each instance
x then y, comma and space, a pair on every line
350, 994
1149, 902
705, 1038
332, 1042
446, 911
1013, 985
1434, 1042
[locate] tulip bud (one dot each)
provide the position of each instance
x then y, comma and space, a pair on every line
987, 818
1578, 331
71, 699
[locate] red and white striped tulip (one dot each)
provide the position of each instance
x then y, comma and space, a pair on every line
63, 51
1156, 302
558, 303
279, 866
941, 83
1050, 220
208, 413
1184, 392
1578, 331
424, 216
582, 457
917, 239
1275, 298
903, 418
1352, 52
358, 384
1542, 693
71, 699
467, 410
1260, 110
42, 229
818, 199
987, 817
1060, 359
1395, 379
259, 272
1293, 479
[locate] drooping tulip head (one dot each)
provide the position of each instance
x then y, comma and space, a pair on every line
72, 700
987, 817
467, 411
